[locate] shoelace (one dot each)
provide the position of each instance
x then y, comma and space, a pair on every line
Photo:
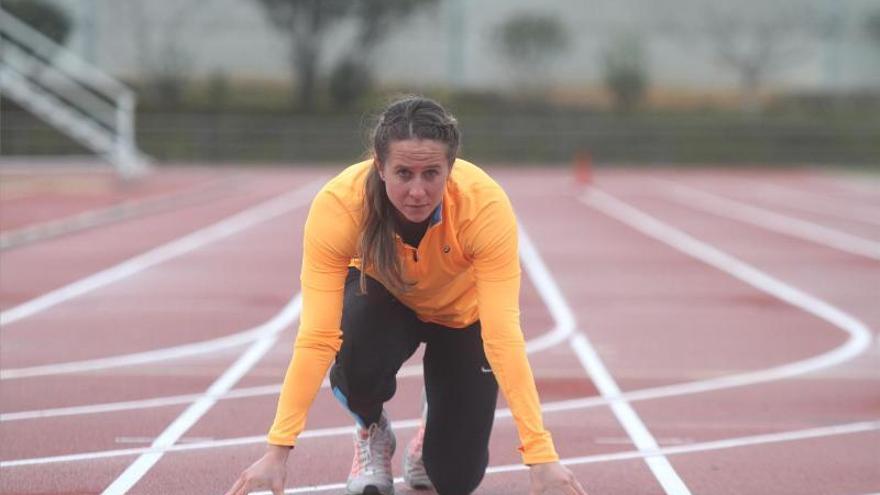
420, 439
367, 444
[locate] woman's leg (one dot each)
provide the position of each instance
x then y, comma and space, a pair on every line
378, 335
462, 393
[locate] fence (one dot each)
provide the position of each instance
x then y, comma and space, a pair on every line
532, 138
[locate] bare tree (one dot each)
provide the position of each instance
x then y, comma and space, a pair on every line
755, 41
872, 26
307, 24
376, 19
530, 43
625, 69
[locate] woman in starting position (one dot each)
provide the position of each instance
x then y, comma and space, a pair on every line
413, 246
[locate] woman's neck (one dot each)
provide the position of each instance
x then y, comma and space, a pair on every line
411, 232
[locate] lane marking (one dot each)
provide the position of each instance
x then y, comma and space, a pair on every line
150, 440
115, 213
549, 293
812, 203
791, 436
761, 217
597, 371
633, 425
194, 349
563, 328
859, 335
254, 215
859, 339
173, 432
805, 434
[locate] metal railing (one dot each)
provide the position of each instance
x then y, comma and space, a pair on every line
72, 95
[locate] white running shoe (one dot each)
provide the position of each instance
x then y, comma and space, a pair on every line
414, 473
371, 467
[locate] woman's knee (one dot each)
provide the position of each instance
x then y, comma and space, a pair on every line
456, 474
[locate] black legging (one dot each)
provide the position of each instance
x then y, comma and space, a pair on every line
379, 335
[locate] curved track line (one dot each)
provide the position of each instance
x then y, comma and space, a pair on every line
558, 334
859, 340
563, 329
761, 217
182, 423
598, 373
193, 349
245, 219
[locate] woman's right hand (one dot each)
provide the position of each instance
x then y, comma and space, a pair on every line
268, 473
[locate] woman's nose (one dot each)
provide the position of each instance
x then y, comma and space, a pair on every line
417, 190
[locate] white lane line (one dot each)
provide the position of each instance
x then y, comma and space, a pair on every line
597, 371
195, 411
627, 416
789, 436
549, 293
564, 326
252, 216
856, 427
115, 213
859, 335
592, 363
196, 348
811, 202
171, 400
795, 227
859, 340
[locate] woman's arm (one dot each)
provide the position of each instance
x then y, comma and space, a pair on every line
327, 248
497, 270
496, 265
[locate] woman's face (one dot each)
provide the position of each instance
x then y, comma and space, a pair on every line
415, 174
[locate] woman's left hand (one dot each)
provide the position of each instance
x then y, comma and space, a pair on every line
553, 478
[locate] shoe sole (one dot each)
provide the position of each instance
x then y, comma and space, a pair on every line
371, 490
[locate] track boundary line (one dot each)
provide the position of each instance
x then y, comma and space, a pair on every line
769, 220
175, 352
859, 340
789, 436
596, 370
558, 334
242, 220
108, 215
860, 337
801, 200
270, 331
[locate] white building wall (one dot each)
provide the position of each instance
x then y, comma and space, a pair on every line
451, 44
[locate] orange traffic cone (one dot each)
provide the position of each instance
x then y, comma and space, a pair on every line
583, 168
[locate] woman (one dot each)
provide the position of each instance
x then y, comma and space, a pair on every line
413, 246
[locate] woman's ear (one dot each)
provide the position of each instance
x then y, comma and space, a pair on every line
379, 169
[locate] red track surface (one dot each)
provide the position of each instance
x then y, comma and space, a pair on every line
655, 315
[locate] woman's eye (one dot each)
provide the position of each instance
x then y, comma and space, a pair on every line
403, 173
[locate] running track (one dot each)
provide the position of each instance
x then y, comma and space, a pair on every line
703, 331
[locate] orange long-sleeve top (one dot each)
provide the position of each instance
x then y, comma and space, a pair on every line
466, 268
